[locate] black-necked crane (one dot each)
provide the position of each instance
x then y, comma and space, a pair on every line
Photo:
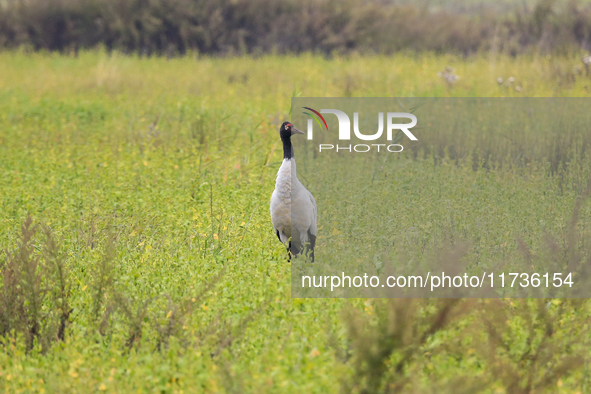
293, 208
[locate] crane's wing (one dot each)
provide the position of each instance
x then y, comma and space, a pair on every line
280, 218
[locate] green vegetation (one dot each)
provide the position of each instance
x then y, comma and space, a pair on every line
460, 182
149, 180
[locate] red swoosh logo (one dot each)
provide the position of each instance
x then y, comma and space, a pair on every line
321, 117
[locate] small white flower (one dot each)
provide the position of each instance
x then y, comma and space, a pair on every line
587, 60
448, 75
499, 80
451, 78
510, 80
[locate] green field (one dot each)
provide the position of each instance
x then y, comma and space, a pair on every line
155, 176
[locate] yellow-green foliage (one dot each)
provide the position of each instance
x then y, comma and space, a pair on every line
177, 159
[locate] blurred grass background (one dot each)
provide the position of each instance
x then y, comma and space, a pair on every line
175, 160
461, 182
154, 174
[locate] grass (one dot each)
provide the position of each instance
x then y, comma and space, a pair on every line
382, 210
154, 178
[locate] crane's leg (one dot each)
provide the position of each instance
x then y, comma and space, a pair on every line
305, 246
289, 251
288, 247
311, 244
294, 248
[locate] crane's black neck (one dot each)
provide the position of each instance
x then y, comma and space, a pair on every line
287, 147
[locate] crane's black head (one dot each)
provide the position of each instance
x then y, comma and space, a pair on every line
286, 131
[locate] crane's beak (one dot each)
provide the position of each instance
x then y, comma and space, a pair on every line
296, 131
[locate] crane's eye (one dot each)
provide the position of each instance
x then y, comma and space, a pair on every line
287, 126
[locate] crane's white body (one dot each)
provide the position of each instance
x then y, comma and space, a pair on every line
293, 208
